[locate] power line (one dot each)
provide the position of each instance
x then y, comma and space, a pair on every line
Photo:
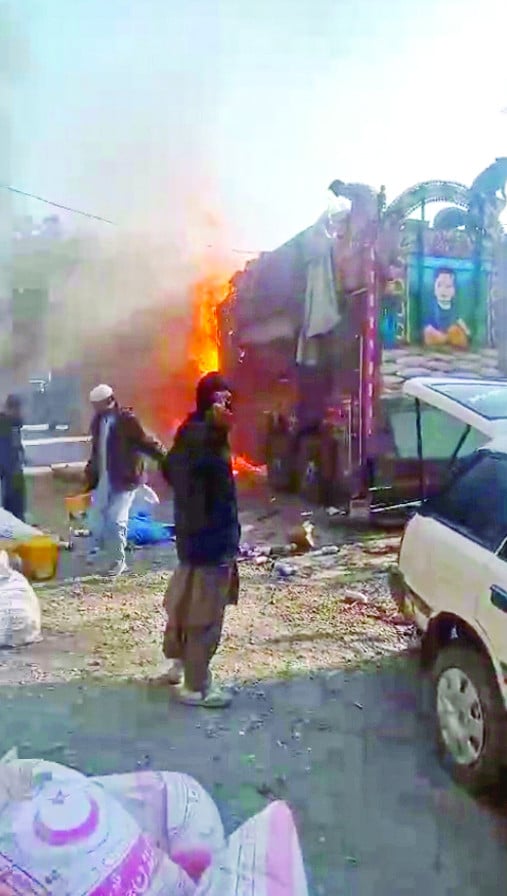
238, 251
77, 211
65, 208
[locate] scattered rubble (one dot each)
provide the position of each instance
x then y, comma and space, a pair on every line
298, 557
303, 536
354, 597
285, 570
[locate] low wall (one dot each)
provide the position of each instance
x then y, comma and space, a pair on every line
63, 450
400, 364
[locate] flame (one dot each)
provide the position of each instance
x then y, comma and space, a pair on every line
156, 356
207, 295
242, 466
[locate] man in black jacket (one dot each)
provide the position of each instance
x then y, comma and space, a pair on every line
12, 480
199, 469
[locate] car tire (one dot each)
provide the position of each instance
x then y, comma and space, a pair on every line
470, 748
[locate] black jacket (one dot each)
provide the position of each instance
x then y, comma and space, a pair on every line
198, 467
12, 455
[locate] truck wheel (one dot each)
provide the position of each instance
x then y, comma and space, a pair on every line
309, 470
279, 463
469, 717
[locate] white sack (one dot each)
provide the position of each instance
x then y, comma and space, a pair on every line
20, 615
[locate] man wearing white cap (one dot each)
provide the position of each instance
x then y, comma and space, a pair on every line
114, 472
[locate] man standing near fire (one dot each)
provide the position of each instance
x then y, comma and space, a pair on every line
114, 473
199, 469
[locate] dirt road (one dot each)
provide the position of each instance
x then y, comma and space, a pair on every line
349, 751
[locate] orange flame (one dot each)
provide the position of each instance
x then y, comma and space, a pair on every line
208, 294
241, 466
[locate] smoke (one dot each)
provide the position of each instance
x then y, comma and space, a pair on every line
13, 63
121, 310
102, 283
124, 135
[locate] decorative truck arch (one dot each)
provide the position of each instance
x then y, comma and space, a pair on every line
428, 191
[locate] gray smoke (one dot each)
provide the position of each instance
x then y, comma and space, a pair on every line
107, 131
13, 62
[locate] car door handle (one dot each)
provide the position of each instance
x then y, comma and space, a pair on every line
499, 598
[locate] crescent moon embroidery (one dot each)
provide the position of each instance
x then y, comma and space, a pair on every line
55, 837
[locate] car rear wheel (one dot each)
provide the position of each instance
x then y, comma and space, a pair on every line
469, 717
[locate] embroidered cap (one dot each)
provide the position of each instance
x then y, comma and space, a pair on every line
101, 393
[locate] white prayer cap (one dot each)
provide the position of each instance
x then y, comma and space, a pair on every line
101, 393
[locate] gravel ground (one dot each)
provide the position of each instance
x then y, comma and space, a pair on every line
333, 612
322, 612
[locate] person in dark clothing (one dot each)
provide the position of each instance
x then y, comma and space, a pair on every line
199, 469
12, 458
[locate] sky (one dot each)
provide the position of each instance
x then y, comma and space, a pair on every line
225, 120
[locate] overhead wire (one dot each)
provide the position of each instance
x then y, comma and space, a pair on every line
66, 208
78, 211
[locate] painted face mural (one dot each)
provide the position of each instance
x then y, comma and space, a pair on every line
447, 304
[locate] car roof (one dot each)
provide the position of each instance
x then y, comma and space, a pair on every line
479, 403
498, 445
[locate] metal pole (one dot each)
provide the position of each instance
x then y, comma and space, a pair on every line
6, 230
420, 261
368, 360
418, 424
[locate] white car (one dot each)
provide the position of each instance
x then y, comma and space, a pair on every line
451, 581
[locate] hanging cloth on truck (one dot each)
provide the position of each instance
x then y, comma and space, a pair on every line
321, 306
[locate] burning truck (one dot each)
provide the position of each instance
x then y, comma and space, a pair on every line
320, 335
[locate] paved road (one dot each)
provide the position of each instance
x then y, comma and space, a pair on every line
350, 752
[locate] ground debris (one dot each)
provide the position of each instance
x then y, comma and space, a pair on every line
320, 609
352, 597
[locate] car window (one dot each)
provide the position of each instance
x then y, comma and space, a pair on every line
439, 431
441, 434
475, 501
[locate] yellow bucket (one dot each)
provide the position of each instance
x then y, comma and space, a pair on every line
39, 557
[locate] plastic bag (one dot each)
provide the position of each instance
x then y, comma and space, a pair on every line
143, 530
262, 858
61, 833
12, 529
175, 811
20, 615
144, 499
151, 832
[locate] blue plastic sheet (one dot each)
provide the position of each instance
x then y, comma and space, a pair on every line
143, 530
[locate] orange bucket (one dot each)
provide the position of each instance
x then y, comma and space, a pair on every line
76, 505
